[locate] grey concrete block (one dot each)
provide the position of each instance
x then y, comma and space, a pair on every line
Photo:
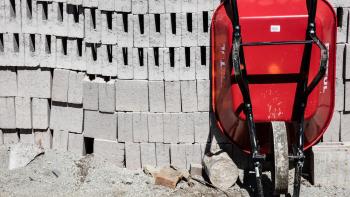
2, 16
122, 6
7, 113
14, 49
155, 127
58, 117
172, 6
109, 28
46, 17
193, 154
172, 96
132, 156
125, 30
60, 140
156, 6
204, 5
100, 125
75, 87
157, 30
125, 127
140, 63
186, 128
189, 96
106, 96
344, 130
90, 94
343, 26
34, 83
26, 136
43, 138
178, 155
48, 51
202, 62
347, 95
339, 3
189, 5
107, 5
90, 3
76, 143
108, 59
340, 66
13, 16
60, 85
188, 63
156, 96
171, 127
204, 22
29, 16
156, 64
40, 113
111, 151
74, 119
139, 6
62, 53
1, 135
93, 59
23, 112
203, 95
75, 21
335, 154
339, 92
77, 54
8, 83
140, 127
92, 25
189, 29
148, 154
59, 24
125, 67
173, 35
10, 137
31, 52
141, 30
172, 64
163, 154
201, 127
132, 95
332, 133
340, 63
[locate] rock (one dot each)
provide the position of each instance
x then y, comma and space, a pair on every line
196, 169
21, 154
168, 177
221, 170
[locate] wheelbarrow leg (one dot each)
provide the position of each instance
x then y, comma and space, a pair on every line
299, 159
256, 156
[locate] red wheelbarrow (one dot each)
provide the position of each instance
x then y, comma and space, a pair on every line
273, 80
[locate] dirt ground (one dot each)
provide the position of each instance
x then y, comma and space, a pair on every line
64, 174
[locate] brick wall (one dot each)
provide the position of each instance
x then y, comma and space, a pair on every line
125, 79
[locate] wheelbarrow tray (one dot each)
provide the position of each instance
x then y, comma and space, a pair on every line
273, 71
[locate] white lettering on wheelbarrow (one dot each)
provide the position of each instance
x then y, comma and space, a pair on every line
325, 79
222, 58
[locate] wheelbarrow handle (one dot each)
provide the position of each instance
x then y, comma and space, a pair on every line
323, 64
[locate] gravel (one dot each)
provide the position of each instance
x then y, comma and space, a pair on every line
65, 174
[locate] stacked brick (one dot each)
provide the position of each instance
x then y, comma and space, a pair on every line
329, 158
127, 80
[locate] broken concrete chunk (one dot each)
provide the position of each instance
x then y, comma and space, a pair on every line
21, 154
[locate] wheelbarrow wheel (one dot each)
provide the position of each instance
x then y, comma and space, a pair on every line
280, 168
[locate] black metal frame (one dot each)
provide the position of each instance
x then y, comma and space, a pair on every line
303, 89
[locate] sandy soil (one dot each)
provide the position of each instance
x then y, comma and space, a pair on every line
64, 174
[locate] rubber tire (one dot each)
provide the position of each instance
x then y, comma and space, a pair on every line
280, 164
